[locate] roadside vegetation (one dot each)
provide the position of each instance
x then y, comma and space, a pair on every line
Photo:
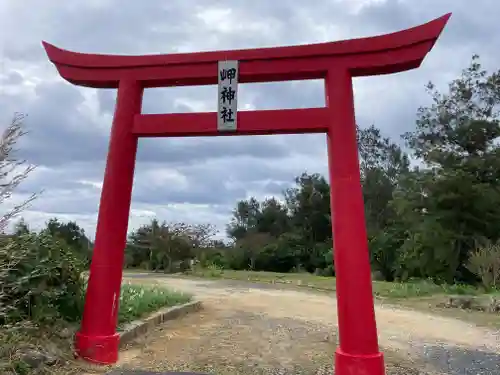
381, 289
137, 301
42, 289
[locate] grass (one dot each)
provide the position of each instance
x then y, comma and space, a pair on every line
382, 289
137, 301
420, 288
420, 295
140, 299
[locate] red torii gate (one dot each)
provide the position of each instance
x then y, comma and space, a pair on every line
336, 63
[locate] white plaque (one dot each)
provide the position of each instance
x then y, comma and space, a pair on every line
228, 95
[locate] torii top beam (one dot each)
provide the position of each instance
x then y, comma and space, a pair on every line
383, 54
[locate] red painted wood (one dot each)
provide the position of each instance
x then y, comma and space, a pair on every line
358, 344
97, 340
362, 57
282, 121
337, 63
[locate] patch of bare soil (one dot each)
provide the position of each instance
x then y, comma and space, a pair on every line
219, 341
235, 342
250, 330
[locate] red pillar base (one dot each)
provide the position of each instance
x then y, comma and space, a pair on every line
102, 350
362, 364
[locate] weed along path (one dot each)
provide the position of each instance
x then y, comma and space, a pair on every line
250, 328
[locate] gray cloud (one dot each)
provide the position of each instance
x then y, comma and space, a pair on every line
63, 130
201, 178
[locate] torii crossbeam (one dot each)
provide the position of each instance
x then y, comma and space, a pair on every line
336, 63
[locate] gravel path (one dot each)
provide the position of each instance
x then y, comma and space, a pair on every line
266, 329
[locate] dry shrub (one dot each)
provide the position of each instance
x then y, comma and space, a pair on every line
485, 263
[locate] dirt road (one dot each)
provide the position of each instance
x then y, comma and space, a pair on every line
264, 329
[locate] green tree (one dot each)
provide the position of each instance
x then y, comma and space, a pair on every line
273, 218
245, 218
309, 207
21, 227
458, 192
74, 236
382, 165
159, 246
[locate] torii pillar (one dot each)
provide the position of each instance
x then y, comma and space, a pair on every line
336, 63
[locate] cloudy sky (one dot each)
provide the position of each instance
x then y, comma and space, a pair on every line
200, 179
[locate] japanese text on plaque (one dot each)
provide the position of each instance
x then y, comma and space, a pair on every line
228, 95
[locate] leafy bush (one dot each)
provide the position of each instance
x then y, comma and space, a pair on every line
419, 288
40, 279
215, 270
